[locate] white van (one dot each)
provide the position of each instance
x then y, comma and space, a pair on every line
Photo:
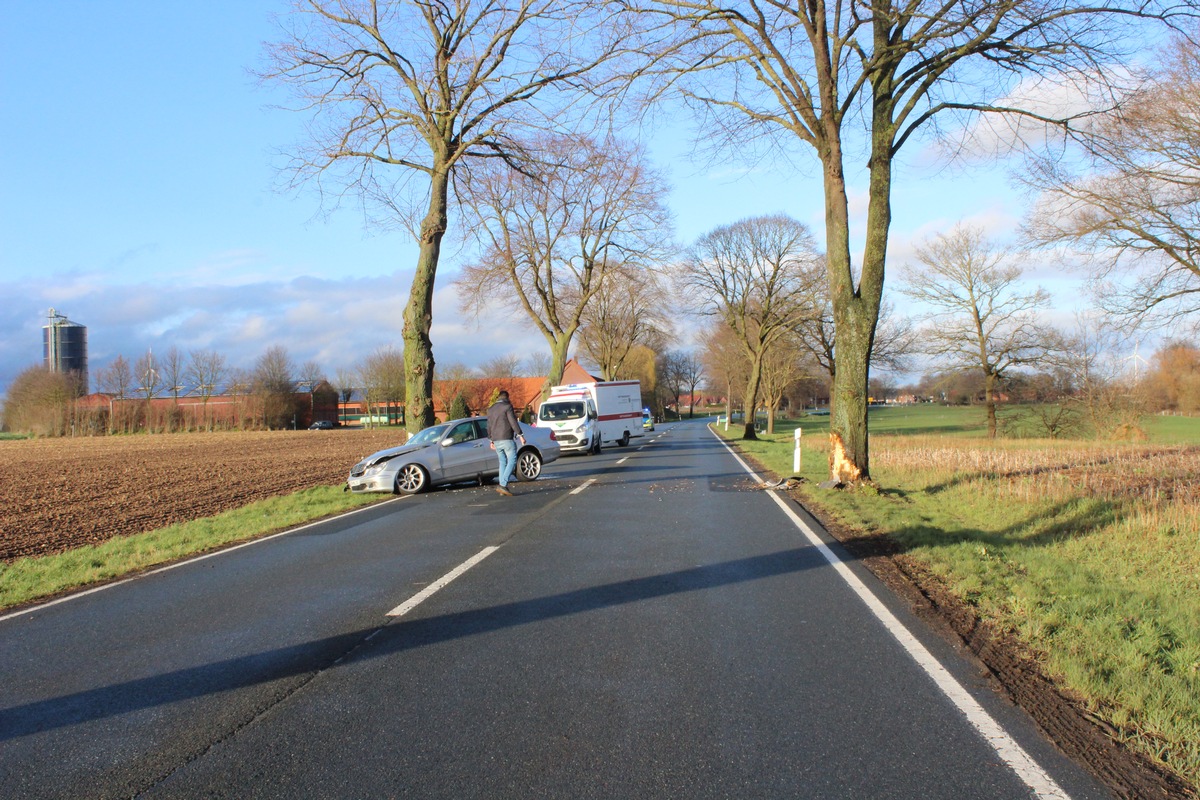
585, 416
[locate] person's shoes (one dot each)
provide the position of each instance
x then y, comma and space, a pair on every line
504, 491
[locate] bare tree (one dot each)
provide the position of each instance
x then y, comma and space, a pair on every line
239, 383
150, 381
382, 381
536, 364
671, 370
980, 316
641, 365
551, 241
725, 363
783, 365
406, 94
761, 276
117, 380
206, 370
895, 340
1100, 386
629, 309
309, 375
856, 81
506, 366
38, 401
692, 373
1134, 201
149, 377
274, 386
174, 370
1174, 377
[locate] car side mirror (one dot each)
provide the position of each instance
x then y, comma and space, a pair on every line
447, 442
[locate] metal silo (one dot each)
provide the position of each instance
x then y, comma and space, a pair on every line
64, 347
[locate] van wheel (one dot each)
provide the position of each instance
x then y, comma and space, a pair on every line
596, 446
624, 440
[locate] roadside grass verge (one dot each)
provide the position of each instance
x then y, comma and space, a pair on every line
1089, 552
28, 579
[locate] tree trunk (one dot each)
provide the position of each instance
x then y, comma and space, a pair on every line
751, 396
855, 311
848, 456
989, 399
418, 314
560, 345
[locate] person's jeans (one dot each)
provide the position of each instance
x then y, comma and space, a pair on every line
506, 449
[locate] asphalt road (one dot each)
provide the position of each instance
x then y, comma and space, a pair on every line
643, 623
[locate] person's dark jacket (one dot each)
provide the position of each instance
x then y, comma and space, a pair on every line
502, 422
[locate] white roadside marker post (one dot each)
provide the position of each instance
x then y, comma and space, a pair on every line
796, 455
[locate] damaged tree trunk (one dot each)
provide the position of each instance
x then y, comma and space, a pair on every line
418, 314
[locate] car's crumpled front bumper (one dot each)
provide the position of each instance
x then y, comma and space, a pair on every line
372, 483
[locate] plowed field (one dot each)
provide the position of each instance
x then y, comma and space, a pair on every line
56, 494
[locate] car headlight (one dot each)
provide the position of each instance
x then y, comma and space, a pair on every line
375, 469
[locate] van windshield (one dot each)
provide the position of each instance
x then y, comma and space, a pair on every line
553, 412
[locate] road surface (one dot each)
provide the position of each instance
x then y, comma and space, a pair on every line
647, 623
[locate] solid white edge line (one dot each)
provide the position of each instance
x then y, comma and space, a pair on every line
433, 588
177, 564
1019, 761
582, 486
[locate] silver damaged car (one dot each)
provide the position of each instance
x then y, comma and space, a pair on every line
451, 452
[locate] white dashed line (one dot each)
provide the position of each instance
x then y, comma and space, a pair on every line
440, 583
583, 486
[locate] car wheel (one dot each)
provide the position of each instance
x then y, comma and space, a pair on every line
529, 465
412, 479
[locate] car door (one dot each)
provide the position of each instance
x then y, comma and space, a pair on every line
466, 454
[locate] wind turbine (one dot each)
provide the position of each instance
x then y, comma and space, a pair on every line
1138, 362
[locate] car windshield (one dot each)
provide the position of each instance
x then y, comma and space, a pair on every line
429, 435
556, 411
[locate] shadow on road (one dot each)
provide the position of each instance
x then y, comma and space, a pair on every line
306, 659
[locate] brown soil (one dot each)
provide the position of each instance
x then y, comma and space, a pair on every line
1015, 671
57, 494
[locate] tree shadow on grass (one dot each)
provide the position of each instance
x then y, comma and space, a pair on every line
1053, 525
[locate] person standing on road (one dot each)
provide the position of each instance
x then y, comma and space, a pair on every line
503, 429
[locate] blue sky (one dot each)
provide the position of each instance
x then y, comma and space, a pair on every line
138, 196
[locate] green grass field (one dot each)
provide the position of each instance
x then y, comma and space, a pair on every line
1184, 430
28, 579
970, 421
1088, 551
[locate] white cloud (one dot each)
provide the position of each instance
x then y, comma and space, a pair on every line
998, 135
333, 322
